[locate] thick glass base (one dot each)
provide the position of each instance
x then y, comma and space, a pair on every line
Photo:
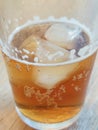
45, 126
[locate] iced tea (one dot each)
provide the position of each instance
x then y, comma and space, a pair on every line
49, 67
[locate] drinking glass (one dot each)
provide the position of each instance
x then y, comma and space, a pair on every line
49, 48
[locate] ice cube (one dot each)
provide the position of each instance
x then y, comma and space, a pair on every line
35, 29
35, 49
69, 36
63, 35
29, 47
51, 53
48, 77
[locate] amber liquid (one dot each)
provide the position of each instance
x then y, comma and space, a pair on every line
62, 102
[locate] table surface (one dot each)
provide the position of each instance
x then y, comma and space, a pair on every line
9, 119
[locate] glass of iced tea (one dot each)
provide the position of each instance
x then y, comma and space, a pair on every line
49, 48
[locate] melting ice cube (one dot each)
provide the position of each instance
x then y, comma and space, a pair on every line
29, 47
62, 34
48, 77
38, 50
67, 36
51, 53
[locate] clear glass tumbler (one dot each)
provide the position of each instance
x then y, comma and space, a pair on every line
49, 48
